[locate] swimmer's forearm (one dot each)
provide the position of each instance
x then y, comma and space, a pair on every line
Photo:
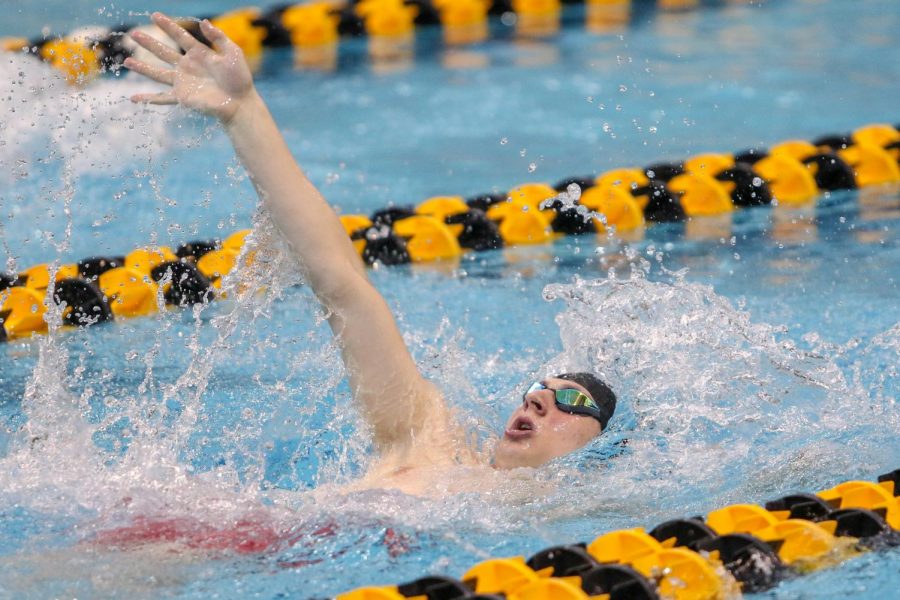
299, 210
383, 377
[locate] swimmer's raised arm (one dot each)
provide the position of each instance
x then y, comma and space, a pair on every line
216, 81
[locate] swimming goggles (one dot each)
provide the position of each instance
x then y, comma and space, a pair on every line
570, 400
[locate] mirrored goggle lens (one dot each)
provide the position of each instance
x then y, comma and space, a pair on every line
575, 398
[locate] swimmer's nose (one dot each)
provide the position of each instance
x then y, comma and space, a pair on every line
534, 402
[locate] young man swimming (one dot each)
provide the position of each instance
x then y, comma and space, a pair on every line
416, 436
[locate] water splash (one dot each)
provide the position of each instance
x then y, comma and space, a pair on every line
91, 130
703, 388
54, 461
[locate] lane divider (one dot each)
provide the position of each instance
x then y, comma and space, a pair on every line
701, 189
315, 28
739, 548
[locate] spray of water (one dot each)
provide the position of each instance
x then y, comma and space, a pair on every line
90, 130
717, 408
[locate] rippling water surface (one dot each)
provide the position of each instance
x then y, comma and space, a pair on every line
752, 358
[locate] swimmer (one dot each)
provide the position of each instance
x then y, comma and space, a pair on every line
417, 439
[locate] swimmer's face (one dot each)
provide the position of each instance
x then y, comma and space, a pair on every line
538, 431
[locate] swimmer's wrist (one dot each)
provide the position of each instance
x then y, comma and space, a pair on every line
248, 110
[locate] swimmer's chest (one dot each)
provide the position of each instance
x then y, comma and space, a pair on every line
432, 481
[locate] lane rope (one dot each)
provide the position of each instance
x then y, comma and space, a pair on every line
314, 29
742, 548
703, 189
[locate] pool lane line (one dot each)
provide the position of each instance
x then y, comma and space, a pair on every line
701, 192
314, 29
738, 548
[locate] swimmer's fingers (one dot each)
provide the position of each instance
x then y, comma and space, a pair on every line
161, 51
159, 74
175, 31
163, 98
220, 41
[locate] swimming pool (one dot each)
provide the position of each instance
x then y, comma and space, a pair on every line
768, 366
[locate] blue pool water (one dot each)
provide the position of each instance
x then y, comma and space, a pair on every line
751, 361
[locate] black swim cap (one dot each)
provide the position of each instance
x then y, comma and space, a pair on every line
600, 392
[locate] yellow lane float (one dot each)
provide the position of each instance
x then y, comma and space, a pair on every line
311, 25
428, 239
240, 28
790, 180
463, 13
79, 63
797, 149
741, 518
709, 164
624, 546
441, 207
685, 575
616, 204
22, 312
130, 293
629, 179
144, 260
38, 276
236, 240
217, 264
354, 223
701, 195
880, 135
871, 164
500, 576
387, 18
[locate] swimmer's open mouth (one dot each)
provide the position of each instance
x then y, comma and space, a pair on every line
522, 427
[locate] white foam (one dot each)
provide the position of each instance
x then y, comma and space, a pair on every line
715, 407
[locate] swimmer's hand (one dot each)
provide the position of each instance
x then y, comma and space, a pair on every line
215, 81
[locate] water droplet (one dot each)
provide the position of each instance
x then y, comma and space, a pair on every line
509, 19
504, 141
532, 167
